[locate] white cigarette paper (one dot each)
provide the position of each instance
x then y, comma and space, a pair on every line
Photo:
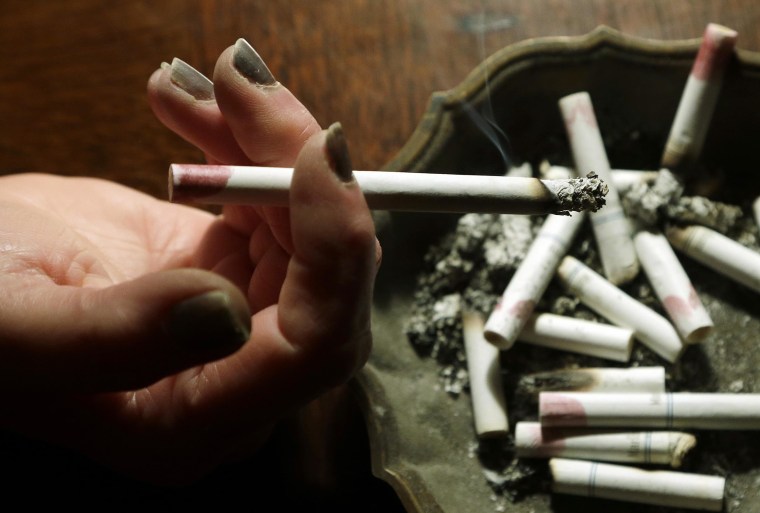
612, 230
697, 104
655, 447
578, 336
672, 286
600, 295
665, 410
385, 190
604, 380
756, 209
718, 252
531, 279
486, 387
658, 487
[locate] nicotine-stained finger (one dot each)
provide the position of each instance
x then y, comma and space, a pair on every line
269, 123
324, 307
183, 99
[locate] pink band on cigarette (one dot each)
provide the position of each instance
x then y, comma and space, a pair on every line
556, 409
522, 309
197, 181
717, 46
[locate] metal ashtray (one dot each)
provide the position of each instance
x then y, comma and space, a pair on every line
422, 441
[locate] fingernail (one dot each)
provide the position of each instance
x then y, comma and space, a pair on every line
250, 64
190, 80
337, 153
209, 321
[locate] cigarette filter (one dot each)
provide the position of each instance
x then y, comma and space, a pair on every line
531, 279
656, 447
486, 387
578, 336
695, 110
612, 230
609, 380
672, 286
658, 487
385, 190
612, 303
756, 209
718, 252
663, 410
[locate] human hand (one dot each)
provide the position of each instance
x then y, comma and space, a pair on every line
124, 319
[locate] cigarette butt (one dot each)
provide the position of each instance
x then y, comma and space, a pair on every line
651, 447
672, 286
486, 387
662, 410
756, 210
385, 190
619, 482
615, 305
531, 279
612, 230
624, 381
718, 252
699, 97
578, 336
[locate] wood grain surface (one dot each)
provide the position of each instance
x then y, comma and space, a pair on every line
73, 74
72, 99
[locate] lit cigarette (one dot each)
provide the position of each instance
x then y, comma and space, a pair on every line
718, 252
665, 410
658, 487
672, 286
603, 380
578, 336
656, 447
612, 303
385, 190
687, 134
622, 179
611, 228
486, 387
531, 279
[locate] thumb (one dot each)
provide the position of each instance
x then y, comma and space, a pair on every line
127, 336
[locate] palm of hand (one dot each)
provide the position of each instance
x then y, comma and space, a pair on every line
90, 233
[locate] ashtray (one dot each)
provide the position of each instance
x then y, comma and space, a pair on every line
422, 439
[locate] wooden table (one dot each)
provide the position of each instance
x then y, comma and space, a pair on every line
72, 97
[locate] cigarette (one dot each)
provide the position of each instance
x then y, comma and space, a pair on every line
699, 97
622, 179
612, 230
531, 279
578, 336
756, 210
619, 482
665, 410
385, 190
718, 252
602, 380
652, 447
486, 388
610, 302
672, 286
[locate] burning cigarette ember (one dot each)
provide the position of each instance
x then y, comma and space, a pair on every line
386, 190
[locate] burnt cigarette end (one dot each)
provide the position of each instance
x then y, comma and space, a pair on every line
579, 194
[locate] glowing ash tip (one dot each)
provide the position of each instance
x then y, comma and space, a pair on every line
578, 194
